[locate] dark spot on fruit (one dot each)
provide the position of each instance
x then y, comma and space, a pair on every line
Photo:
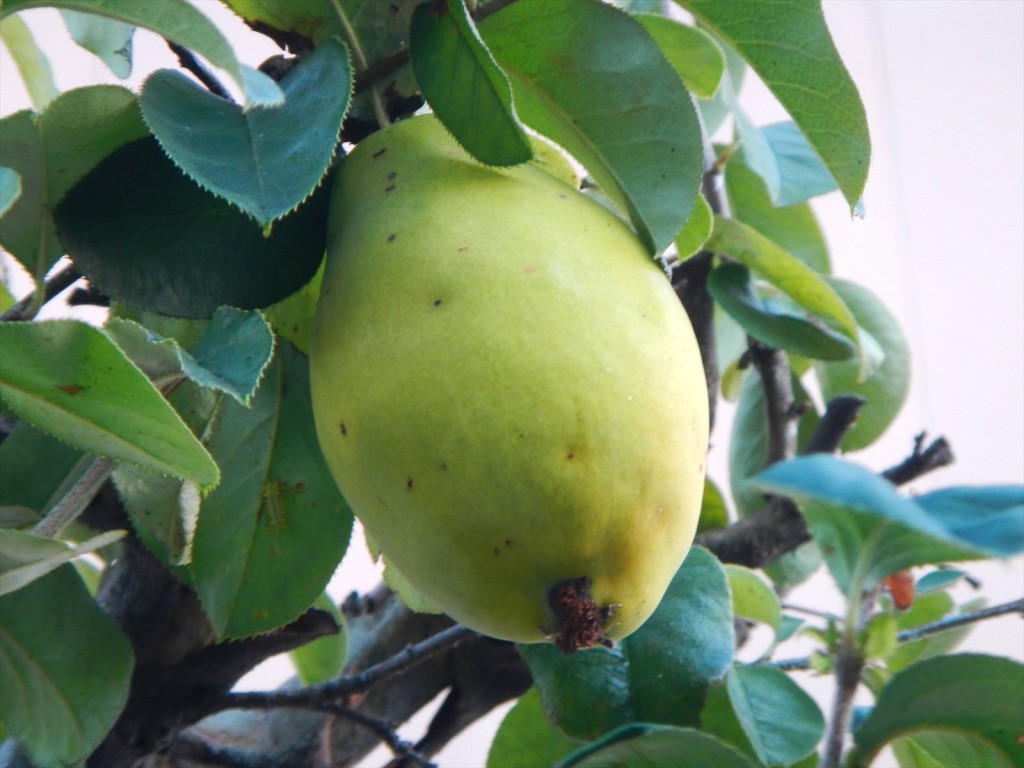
570, 455
462, 249
380, 152
497, 552
408, 484
392, 176
390, 187
509, 543
437, 302
391, 238
444, 467
563, 196
343, 428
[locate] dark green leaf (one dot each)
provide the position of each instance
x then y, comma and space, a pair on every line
145, 234
527, 738
793, 227
713, 512
176, 20
692, 52
32, 64
856, 515
264, 161
271, 535
656, 746
51, 152
781, 721
62, 690
591, 78
886, 389
660, 673
789, 46
969, 693
110, 40
777, 323
10, 188
990, 518
33, 466
464, 86
71, 380
787, 273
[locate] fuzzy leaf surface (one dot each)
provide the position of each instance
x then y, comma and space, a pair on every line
658, 674
591, 78
264, 161
146, 235
69, 379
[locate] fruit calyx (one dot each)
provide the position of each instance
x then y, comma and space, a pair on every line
580, 621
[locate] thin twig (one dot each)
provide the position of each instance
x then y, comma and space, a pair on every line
839, 417
776, 379
921, 461
325, 695
56, 284
384, 731
193, 65
77, 498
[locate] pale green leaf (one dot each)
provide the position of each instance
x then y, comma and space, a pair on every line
25, 557
31, 62
108, 39
10, 189
692, 52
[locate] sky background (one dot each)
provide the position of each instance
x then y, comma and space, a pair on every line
942, 244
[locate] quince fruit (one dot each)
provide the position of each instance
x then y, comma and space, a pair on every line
507, 391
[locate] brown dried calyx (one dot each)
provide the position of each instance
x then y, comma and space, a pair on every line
580, 621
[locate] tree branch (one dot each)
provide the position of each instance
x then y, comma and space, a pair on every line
777, 380
54, 285
921, 460
192, 64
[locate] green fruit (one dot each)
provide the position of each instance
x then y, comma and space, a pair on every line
507, 390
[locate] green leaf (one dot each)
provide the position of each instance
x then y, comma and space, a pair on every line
323, 658
660, 673
886, 389
71, 380
800, 171
314, 19
31, 62
783, 270
590, 77
25, 557
230, 356
713, 512
656, 746
938, 579
968, 693
179, 22
781, 721
10, 188
33, 468
270, 536
292, 317
108, 39
792, 227
789, 46
773, 320
264, 161
696, 231
752, 598
879, 636
63, 690
526, 737
51, 152
863, 525
464, 86
692, 52
938, 749
989, 518
144, 234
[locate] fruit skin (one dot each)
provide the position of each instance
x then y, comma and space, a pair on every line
506, 388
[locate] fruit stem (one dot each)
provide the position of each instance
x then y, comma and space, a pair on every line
361, 63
